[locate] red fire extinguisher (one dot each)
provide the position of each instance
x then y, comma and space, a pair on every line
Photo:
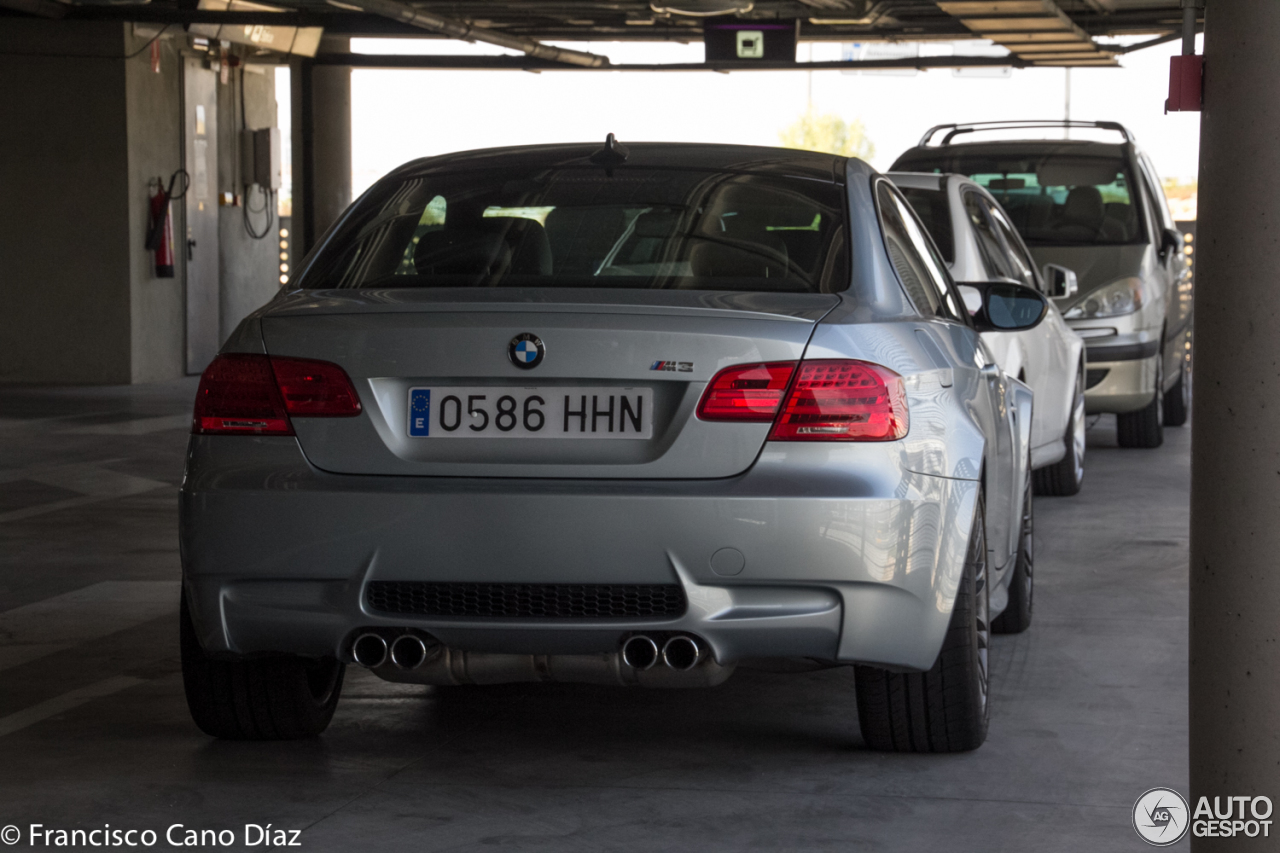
160, 228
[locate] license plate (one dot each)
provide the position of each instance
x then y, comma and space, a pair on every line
489, 412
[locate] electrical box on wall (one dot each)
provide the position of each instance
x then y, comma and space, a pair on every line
1186, 84
260, 157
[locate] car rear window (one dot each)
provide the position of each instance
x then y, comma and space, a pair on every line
591, 227
932, 208
1053, 199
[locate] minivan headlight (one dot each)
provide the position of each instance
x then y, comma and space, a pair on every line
1123, 296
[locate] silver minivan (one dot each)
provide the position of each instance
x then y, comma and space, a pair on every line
1097, 208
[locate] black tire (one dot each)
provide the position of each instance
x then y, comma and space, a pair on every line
946, 708
1145, 427
279, 697
1016, 617
1177, 400
1064, 477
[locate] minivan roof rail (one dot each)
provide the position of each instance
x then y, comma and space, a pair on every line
970, 127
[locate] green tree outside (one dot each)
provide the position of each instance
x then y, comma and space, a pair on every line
829, 134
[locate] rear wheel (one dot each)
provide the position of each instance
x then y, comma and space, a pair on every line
1065, 476
1145, 427
1177, 400
279, 697
944, 709
1016, 617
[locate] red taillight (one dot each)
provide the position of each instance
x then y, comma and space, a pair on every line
254, 395
843, 400
746, 392
315, 388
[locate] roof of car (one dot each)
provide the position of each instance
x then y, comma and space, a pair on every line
1006, 148
685, 155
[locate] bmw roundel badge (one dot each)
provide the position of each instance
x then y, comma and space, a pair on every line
526, 350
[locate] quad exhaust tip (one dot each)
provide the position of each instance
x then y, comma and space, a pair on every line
408, 651
640, 652
681, 653
370, 650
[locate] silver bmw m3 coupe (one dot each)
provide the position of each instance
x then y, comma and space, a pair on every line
628, 416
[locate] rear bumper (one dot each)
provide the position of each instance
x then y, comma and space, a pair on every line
847, 556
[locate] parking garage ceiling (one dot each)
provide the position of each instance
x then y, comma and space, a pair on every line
1035, 32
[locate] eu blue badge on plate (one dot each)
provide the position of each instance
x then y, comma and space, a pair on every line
420, 412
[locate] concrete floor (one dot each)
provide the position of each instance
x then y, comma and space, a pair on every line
1089, 706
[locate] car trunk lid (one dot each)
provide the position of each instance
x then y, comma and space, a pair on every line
610, 353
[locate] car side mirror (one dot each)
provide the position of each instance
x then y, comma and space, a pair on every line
1003, 307
1170, 240
1062, 282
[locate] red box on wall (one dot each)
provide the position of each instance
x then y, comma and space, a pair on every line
1186, 84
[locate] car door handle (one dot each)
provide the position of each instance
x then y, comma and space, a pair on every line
191, 246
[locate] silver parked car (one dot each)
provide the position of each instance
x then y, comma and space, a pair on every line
573, 413
1097, 208
979, 243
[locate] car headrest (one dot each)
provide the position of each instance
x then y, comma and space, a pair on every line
656, 223
457, 251
1083, 207
493, 246
530, 248
716, 259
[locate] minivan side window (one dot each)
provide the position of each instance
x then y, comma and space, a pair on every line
1024, 267
989, 248
917, 262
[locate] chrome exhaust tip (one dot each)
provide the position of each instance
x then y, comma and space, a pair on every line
681, 653
369, 650
408, 651
640, 652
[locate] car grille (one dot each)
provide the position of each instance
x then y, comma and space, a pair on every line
1094, 375
525, 600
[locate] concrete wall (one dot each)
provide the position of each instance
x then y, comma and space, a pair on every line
84, 126
157, 305
250, 268
65, 226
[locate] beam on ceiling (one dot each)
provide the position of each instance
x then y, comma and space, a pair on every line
415, 17
524, 63
1035, 30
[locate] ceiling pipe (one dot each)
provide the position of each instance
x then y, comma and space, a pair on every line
1190, 12
467, 32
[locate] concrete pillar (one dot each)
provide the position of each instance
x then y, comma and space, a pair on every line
82, 131
1235, 473
322, 143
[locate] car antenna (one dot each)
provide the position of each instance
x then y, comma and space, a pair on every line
614, 153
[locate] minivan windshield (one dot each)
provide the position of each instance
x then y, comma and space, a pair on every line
592, 227
1053, 199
